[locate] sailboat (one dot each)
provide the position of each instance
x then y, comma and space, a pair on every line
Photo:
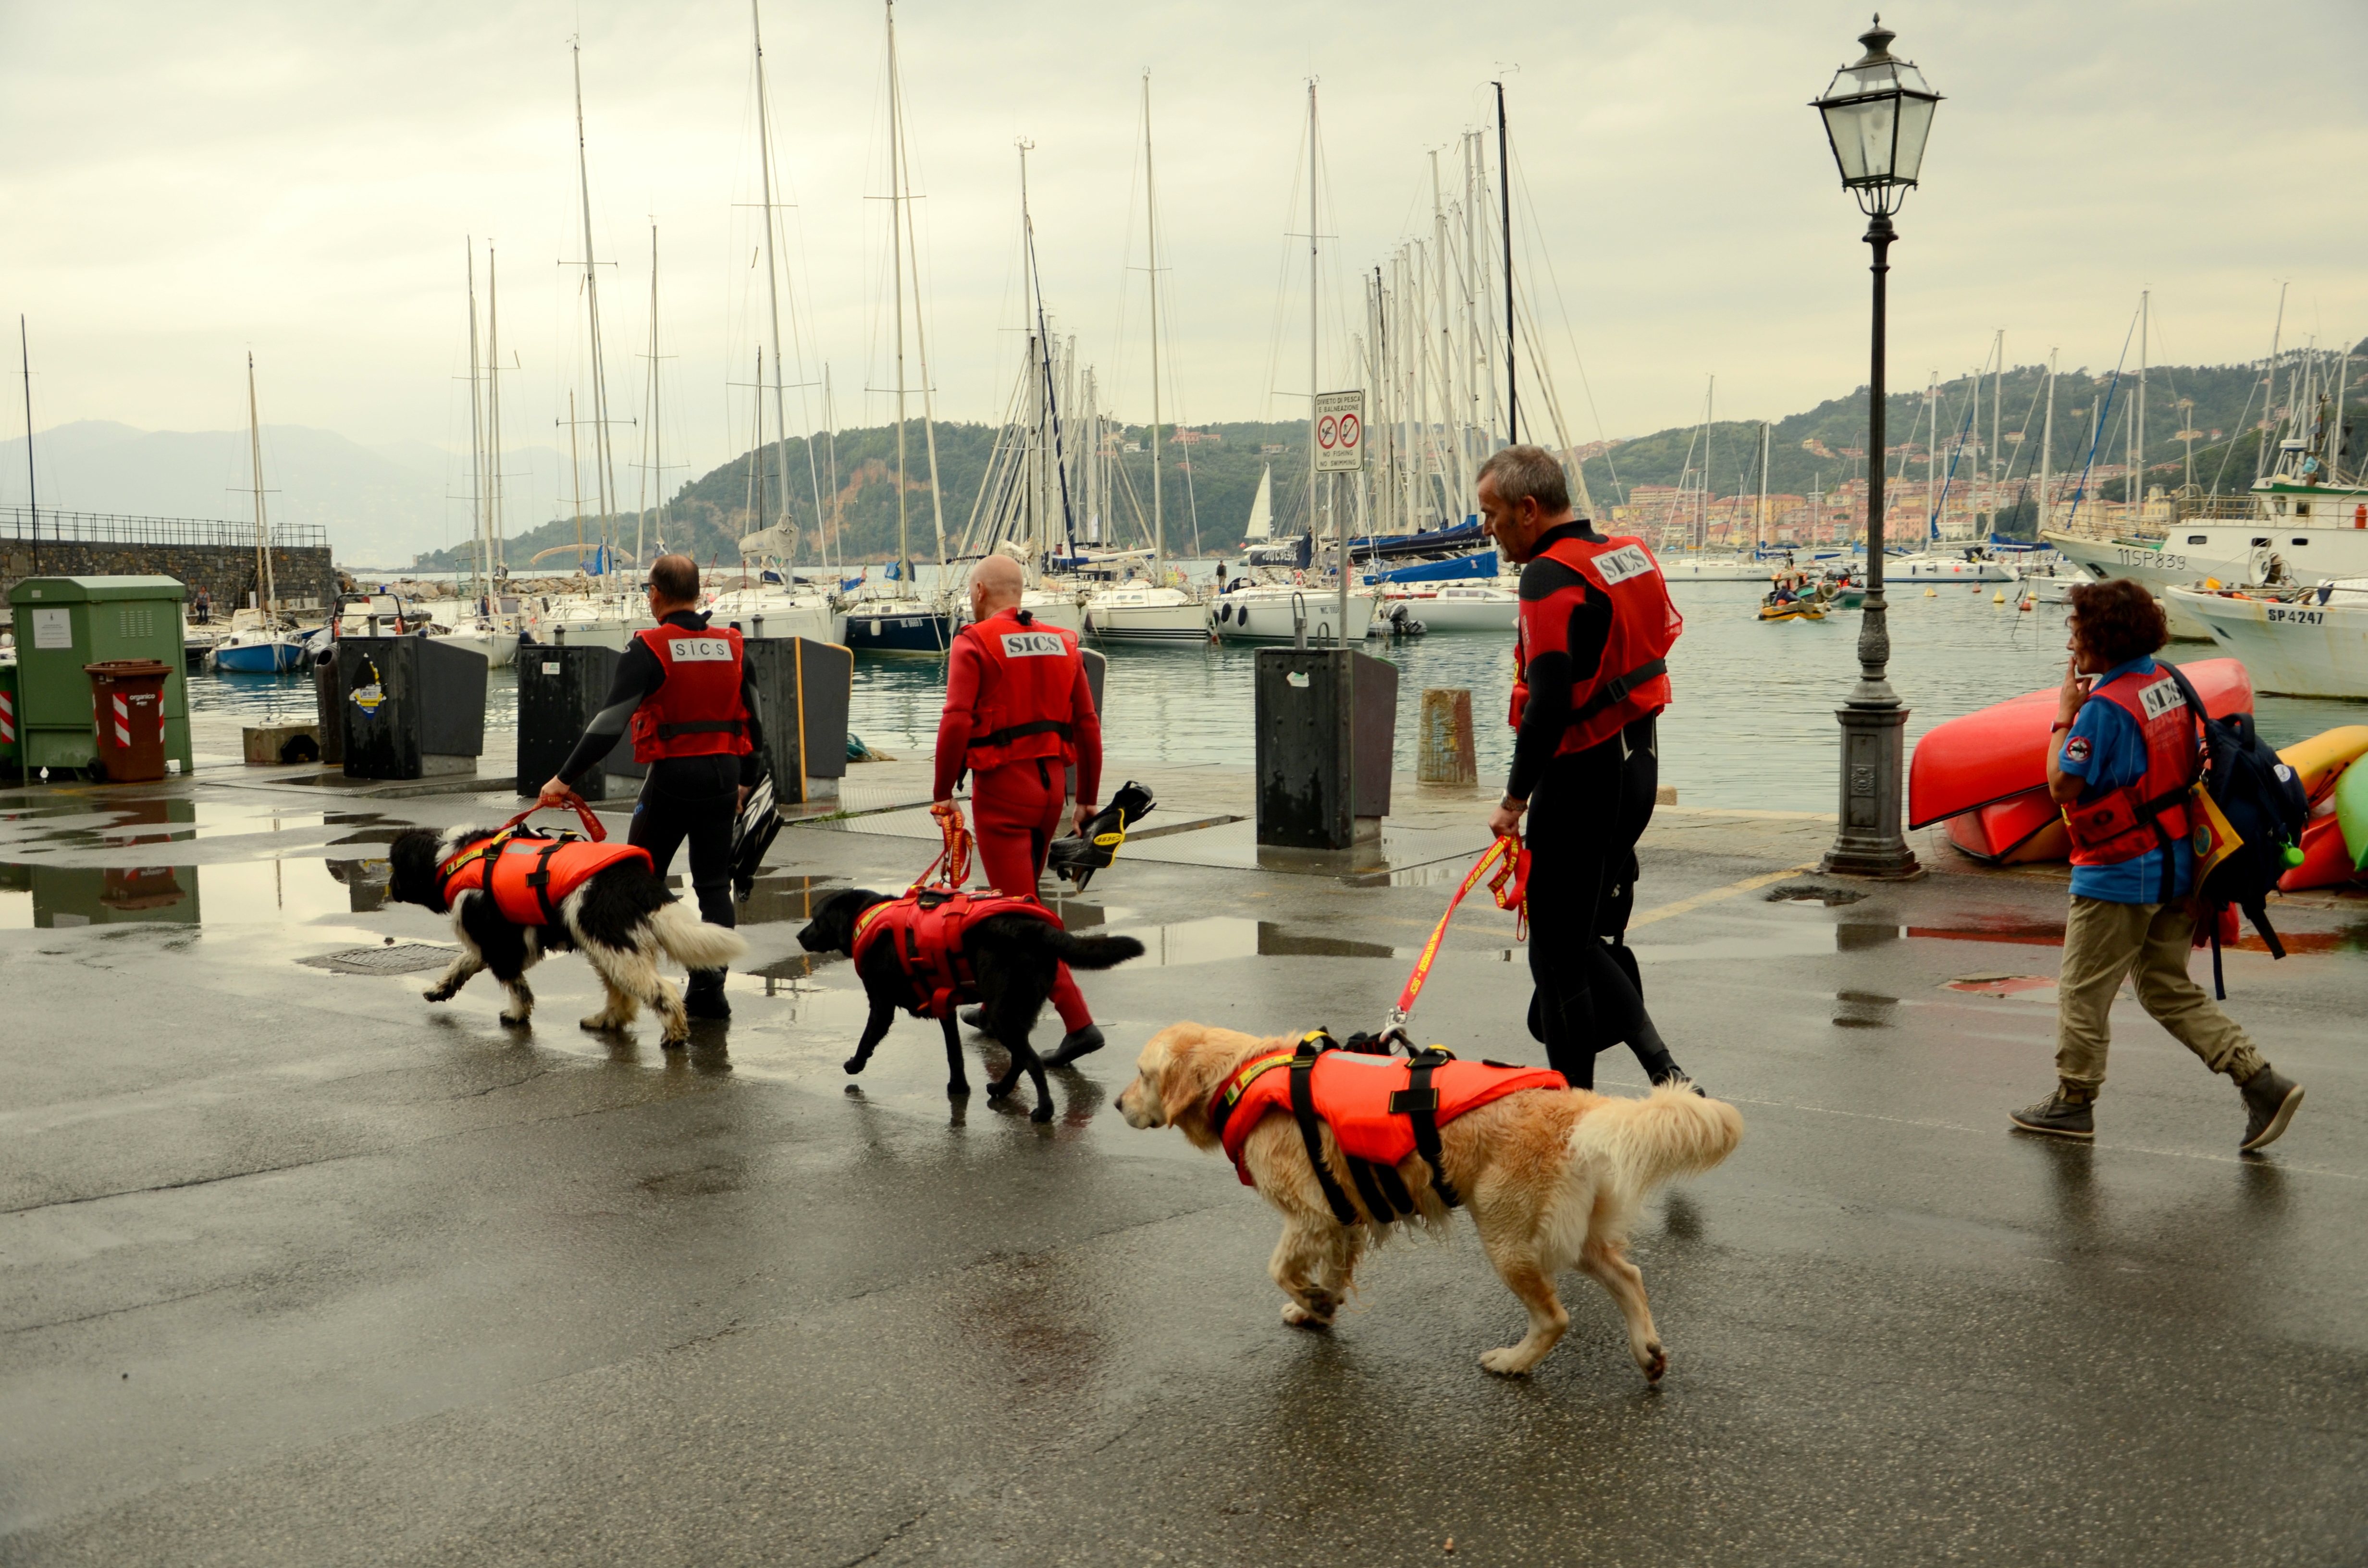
1146, 609
481, 626
780, 603
903, 620
603, 615
1291, 604
260, 641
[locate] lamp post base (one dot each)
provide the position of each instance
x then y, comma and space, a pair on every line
1874, 743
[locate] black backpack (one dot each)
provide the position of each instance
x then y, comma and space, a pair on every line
2260, 801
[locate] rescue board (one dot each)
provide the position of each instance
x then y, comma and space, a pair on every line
1996, 752
2352, 813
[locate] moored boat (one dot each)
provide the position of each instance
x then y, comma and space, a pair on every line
2306, 642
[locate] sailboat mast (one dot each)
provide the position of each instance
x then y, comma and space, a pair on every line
649, 401
1505, 196
604, 473
476, 435
32, 498
1151, 238
268, 590
2047, 451
1314, 317
499, 556
575, 470
772, 285
2135, 489
1759, 530
1997, 423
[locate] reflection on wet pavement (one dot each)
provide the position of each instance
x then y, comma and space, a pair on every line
1226, 937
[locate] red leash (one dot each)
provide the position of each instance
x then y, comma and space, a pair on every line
592, 828
954, 855
1510, 887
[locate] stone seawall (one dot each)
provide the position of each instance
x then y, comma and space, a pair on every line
305, 579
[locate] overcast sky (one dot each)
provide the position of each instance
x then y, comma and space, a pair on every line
183, 183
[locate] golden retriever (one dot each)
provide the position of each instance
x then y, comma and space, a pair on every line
1553, 1179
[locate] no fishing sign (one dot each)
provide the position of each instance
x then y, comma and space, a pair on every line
1339, 432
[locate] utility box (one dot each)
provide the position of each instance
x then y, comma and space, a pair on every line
803, 688
1326, 723
561, 687
63, 623
410, 707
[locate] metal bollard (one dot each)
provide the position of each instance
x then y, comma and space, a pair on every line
1445, 753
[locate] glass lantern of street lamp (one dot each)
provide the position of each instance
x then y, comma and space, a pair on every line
1877, 112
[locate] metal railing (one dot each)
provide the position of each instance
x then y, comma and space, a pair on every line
16, 524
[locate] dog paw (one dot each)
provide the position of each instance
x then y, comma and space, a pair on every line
1655, 1361
597, 1023
958, 1089
438, 994
675, 1041
1298, 1316
1042, 1113
852, 1065
515, 1020
1508, 1362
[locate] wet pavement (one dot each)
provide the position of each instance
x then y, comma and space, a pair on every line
298, 1268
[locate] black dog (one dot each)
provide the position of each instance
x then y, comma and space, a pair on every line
619, 919
1014, 958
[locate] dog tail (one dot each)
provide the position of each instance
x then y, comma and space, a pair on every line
692, 942
1089, 952
1672, 1131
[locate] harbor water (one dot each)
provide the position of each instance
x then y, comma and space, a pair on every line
1752, 726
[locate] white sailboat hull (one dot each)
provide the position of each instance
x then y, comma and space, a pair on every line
778, 615
1151, 617
1275, 614
499, 649
1488, 608
1717, 569
2291, 650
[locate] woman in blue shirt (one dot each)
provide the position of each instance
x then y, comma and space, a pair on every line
2131, 913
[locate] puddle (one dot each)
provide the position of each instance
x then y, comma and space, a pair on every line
1812, 892
1221, 937
164, 821
2038, 988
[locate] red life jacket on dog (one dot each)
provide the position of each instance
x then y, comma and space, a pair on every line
2124, 823
1632, 678
1025, 693
925, 930
528, 875
1380, 1108
697, 711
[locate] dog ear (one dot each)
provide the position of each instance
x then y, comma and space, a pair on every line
1187, 1076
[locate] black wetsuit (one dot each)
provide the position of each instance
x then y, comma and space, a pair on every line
1587, 810
693, 798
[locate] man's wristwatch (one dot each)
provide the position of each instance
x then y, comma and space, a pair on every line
1510, 804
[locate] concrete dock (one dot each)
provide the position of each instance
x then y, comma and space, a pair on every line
298, 1268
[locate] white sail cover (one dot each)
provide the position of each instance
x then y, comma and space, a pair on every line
779, 539
1262, 509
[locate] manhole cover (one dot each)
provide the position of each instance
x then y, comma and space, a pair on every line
401, 958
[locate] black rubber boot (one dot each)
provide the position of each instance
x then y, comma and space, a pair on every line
2060, 1115
1075, 1044
703, 997
2270, 1103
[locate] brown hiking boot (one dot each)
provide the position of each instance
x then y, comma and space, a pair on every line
2058, 1116
2270, 1103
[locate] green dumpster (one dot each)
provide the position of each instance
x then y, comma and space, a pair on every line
63, 623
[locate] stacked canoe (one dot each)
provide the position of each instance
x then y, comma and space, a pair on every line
1984, 773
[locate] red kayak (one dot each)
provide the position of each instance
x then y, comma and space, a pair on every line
1990, 757
2013, 832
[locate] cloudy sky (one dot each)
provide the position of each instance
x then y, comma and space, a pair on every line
184, 183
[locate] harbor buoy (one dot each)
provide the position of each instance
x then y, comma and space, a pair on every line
1999, 598
2029, 605
1931, 593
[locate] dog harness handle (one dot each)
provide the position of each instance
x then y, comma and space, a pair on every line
592, 828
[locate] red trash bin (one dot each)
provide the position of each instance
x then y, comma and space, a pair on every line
128, 701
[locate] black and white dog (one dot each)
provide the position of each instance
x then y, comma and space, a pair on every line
621, 919
1014, 958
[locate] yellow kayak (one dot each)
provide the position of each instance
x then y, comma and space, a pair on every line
2321, 760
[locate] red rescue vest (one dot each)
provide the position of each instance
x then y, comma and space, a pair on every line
2124, 823
1024, 693
698, 710
528, 875
1632, 678
1381, 1110
925, 930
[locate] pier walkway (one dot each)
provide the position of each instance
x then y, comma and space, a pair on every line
297, 1268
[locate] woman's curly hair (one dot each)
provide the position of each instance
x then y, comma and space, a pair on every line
2117, 621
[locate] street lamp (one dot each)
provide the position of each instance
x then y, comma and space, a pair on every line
1877, 113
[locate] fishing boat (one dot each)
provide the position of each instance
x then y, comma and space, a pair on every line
261, 641
2297, 642
1792, 609
1985, 773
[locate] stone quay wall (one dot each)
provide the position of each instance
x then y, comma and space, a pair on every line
305, 578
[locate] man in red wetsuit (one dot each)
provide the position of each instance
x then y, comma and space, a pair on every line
1018, 712
1588, 681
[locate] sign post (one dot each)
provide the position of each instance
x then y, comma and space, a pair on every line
1340, 449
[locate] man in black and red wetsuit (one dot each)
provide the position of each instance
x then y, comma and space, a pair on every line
1018, 712
685, 690
1588, 678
